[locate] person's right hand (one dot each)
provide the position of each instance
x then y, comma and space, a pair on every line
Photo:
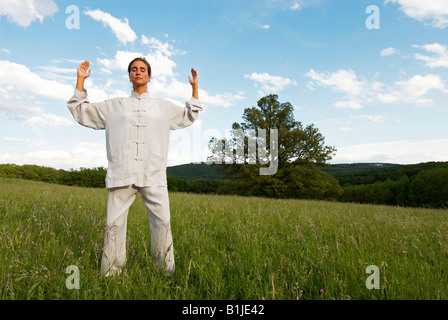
82, 70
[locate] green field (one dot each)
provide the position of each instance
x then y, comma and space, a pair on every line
226, 247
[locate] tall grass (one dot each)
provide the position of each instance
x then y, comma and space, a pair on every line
226, 247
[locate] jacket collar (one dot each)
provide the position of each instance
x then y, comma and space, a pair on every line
144, 95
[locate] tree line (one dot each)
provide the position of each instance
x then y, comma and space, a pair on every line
358, 174
428, 188
84, 177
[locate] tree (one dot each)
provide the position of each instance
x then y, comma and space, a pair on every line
429, 188
298, 149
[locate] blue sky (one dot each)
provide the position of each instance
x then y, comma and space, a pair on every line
377, 95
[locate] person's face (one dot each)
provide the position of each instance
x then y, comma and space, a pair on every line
139, 73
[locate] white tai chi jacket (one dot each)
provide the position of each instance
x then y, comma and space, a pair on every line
137, 134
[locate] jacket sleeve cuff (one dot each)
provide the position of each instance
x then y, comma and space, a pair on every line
194, 104
80, 94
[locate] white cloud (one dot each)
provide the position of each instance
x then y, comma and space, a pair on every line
434, 47
265, 26
49, 120
16, 110
360, 92
345, 81
19, 79
436, 11
370, 117
30, 114
399, 152
349, 104
357, 91
159, 56
296, 6
20, 91
224, 100
164, 48
161, 63
388, 97
359, 121
25, 12
162, 69
173, 88
144, 40
27, 141
286, 4
388, 52
418, 85
120, 61
120, 28
440, 57
269, 83
83, 154
413, 90
56, 70
59, 74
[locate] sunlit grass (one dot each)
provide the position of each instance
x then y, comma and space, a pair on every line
226, 247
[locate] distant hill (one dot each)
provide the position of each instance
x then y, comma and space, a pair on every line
367, 173
346, 173
190, 172
344, 167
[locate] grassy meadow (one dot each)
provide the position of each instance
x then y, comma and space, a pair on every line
226, 247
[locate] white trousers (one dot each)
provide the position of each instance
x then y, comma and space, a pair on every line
157, 204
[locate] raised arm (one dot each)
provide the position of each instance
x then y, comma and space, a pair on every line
92, 115
83, 74
184, 117
194, 83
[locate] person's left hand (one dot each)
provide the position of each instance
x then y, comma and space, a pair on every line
194, 80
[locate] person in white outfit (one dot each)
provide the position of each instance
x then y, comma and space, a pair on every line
137, 137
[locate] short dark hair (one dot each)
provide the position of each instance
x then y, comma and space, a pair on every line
140, 59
